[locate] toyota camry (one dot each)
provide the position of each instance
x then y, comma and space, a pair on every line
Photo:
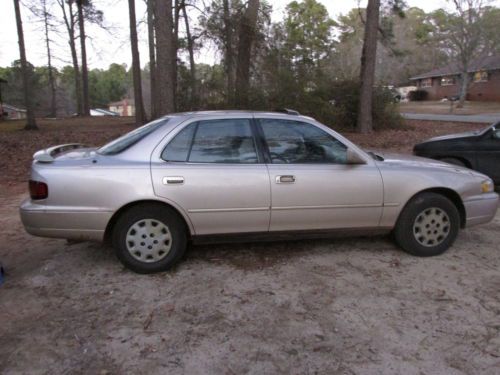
228, 175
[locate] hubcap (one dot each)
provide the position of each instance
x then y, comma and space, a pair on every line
431, 227
148, 240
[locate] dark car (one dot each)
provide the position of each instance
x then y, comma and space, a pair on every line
479, 150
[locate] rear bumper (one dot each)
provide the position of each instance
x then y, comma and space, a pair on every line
59, 222
481, 209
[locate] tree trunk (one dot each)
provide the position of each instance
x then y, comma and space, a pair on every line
52, 85
176, 48
76, 70
245, 42
165, 53
152, 59
30, 115
192, 66
140, 116
464, 86
69, 21
228, 54
368, 62
85, 74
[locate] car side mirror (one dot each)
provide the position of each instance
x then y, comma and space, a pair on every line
353, 157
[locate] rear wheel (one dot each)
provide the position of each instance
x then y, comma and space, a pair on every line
149, 238
428, 225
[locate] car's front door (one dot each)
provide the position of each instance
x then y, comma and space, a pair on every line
212, 169
312, 186
488, 154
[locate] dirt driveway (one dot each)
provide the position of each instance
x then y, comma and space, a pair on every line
343, 306
346, 306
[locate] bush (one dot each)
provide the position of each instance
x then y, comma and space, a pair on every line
345, 100
418, 95
333, 103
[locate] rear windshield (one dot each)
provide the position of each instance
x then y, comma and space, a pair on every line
129, 139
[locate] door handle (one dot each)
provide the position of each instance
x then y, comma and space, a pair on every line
286, 179
173, 180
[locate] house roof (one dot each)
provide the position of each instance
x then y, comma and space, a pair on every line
482, 63
12, 108
120, 102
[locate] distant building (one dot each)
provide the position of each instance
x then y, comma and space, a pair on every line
484, 76
125, 107
102, 112
12, 113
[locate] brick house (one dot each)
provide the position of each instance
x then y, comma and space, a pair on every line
484, 74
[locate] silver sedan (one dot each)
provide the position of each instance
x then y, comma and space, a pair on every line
252, 175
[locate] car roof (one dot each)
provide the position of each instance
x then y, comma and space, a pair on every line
290, 114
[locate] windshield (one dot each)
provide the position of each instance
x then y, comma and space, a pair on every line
483, 131
129, 139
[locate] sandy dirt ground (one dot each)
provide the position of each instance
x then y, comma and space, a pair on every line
338, 306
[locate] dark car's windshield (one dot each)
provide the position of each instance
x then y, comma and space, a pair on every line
127, 140
486, 129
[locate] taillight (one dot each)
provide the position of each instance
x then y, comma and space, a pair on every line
38, 190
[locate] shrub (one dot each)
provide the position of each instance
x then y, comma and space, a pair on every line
418, 95
345, 100
333, 103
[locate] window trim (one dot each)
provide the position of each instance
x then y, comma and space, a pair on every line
481, 79
265, 146
426, 86
251, 121
445, 83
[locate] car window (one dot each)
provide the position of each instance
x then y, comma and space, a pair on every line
295, 142
214, 141
125, 141
178, 148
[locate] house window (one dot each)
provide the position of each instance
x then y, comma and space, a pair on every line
426, 82
447, 81
481, 76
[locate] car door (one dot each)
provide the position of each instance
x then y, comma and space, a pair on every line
488, 154
312, 186
212, 169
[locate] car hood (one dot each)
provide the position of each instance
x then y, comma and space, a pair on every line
452, 136
409, 161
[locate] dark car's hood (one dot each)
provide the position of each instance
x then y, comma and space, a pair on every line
453, 136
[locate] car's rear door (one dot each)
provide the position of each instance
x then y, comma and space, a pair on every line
212, 169
312, 186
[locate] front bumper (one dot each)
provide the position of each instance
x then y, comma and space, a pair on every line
481, 208
76, 223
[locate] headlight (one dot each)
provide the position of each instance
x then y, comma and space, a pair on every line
487, 186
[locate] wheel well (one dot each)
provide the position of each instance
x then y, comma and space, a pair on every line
111, 224
453, 197
466, 162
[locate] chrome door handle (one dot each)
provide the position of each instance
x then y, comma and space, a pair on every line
172, 180
286, 179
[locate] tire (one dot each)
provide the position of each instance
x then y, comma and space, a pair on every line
428, 225
149, 238
454, 161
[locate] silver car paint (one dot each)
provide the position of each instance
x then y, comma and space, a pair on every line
86, 189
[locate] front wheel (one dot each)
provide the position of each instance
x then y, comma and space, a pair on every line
149, 238
428, 225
